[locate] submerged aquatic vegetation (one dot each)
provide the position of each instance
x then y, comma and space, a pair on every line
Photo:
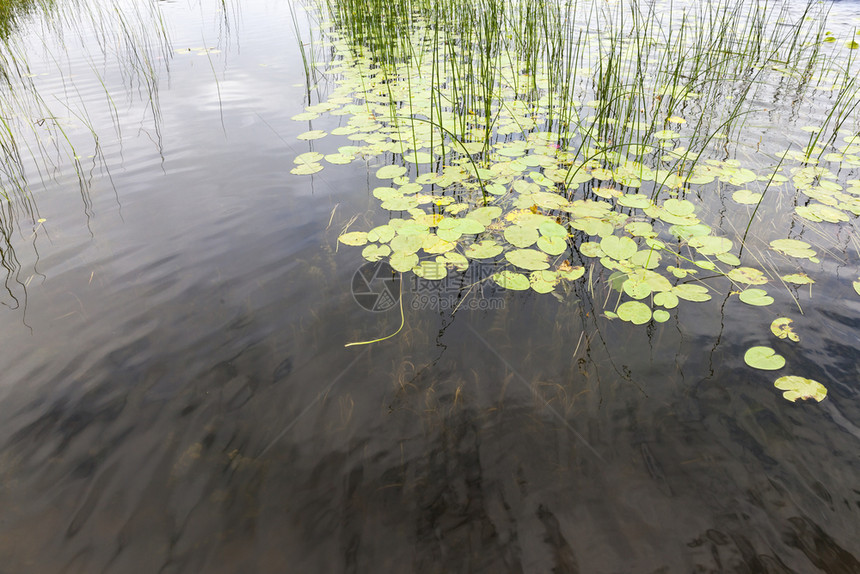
548, 138
44, 134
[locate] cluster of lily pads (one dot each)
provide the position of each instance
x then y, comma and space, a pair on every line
543, 202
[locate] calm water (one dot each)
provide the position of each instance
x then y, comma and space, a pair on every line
175, 395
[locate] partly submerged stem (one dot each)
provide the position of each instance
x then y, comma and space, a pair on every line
402, 322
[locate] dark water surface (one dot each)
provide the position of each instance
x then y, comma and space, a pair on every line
175, 395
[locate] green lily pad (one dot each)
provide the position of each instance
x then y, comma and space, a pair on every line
756, 297
355, 238
390, 171
636, 312
454, 259
666, 135
543, 281
565, 271
403, 262
729, 259
798, 279
746, 197
308, 158
552, 245
797, 388
710, 244
307, 169
618, 248
382, 234
661, 315
635, 200
817, 212
794, 248
407, 243
666, 299
747, 275
691, 292
591, 249
857, 285
530, 259
431, 270
375, 252
434, 245
486, 249
679, 207
781, 327
552, 229
521, 236
512, 280
312, 135
764, 358
399, 204
485, 215
636, 287
339, 158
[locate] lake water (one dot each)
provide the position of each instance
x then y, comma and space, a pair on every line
175, 394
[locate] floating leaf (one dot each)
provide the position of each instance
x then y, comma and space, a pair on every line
434, 245
382, 233
403, 262
390, 171
591, 249
339, 158
857, 286
565, 271
764, 358
530, 259
666, 135
746, 197
691, 292
757, 297
418, 157
407, 243
543, 281
679, 207
521, 236
454, 259
819, 212
634, 311
666, 299
306, 169
375, 252
647, 258
781, 327
636, 287
747, 275
312, 135
552, 245
552, 229
486, 249
635, 200
794, 248
308, 158
711, 245
512, 280
355, 238
797, 388
661, 315
798, 279
431, 270
728, 259
619, 248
